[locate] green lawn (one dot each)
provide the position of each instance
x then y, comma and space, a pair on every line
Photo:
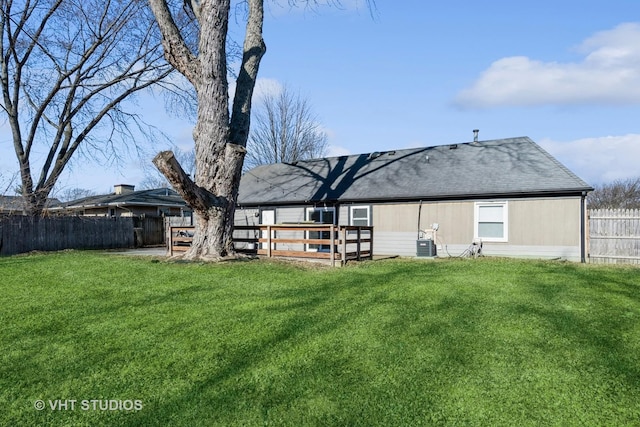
386, 343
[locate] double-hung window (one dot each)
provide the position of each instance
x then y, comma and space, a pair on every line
491, 221
360, 216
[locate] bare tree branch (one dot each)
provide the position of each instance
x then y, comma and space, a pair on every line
619, 194
285, 130
65, 69
176, 50
254, 49
199, 198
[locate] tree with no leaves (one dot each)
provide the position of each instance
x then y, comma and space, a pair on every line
284, 130
70, 194
65, 68
619, 194
220, 135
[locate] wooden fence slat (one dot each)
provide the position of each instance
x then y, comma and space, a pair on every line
614, 236
20, 234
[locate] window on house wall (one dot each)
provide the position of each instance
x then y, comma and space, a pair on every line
320, 216
491, 221
360, 216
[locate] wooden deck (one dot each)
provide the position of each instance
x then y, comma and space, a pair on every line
317, 241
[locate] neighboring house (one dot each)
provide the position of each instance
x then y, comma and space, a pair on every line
14, 205
125, 201
509, 194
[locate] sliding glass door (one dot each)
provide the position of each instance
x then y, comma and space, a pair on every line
320, 216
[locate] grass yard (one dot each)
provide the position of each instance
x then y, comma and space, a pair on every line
488, 342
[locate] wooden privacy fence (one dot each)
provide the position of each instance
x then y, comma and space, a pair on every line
320, 241
148, 230
20, 234
614, 236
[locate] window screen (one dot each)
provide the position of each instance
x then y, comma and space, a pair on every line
360, 216
491, 221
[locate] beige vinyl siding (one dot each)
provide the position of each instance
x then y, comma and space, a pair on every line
343, 214
543, 227
545, 222
455, 220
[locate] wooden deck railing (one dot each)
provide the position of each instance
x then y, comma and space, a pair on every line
319, 241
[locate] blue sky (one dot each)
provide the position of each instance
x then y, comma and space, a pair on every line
419, 73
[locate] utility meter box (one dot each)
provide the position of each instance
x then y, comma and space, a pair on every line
425, 248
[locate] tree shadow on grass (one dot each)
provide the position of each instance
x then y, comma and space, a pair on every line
295, 360
366, 345
590, 319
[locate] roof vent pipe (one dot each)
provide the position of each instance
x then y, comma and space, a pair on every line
475, 135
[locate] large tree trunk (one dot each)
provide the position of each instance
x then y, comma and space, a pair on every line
220, 137
214, 206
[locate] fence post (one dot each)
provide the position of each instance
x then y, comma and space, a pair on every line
332, 249
344, 245
170, 241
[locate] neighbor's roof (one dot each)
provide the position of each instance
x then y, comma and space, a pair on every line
156, 197
11, 204
495, 168
15, 204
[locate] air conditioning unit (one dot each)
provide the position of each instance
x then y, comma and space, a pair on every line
425, 248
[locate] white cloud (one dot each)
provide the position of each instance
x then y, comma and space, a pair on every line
266, 87
415, 144
336, 151
598, 160
608, 74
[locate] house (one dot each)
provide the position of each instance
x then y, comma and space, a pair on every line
14, 205
11, 205
126, 201
508, 196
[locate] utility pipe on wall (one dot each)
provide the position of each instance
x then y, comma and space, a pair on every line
583, 234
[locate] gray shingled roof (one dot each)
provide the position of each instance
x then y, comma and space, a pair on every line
495, 168
13, 204
155, 197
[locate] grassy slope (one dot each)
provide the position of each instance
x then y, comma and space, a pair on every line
484, 342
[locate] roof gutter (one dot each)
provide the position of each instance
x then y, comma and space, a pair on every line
436, 198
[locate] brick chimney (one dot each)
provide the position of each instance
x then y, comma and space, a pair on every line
124, 188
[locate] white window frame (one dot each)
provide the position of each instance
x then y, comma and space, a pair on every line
505, 221
354, 207
308, 211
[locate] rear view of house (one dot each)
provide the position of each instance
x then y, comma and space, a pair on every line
508, 195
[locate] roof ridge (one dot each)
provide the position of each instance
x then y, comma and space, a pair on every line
396, 150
